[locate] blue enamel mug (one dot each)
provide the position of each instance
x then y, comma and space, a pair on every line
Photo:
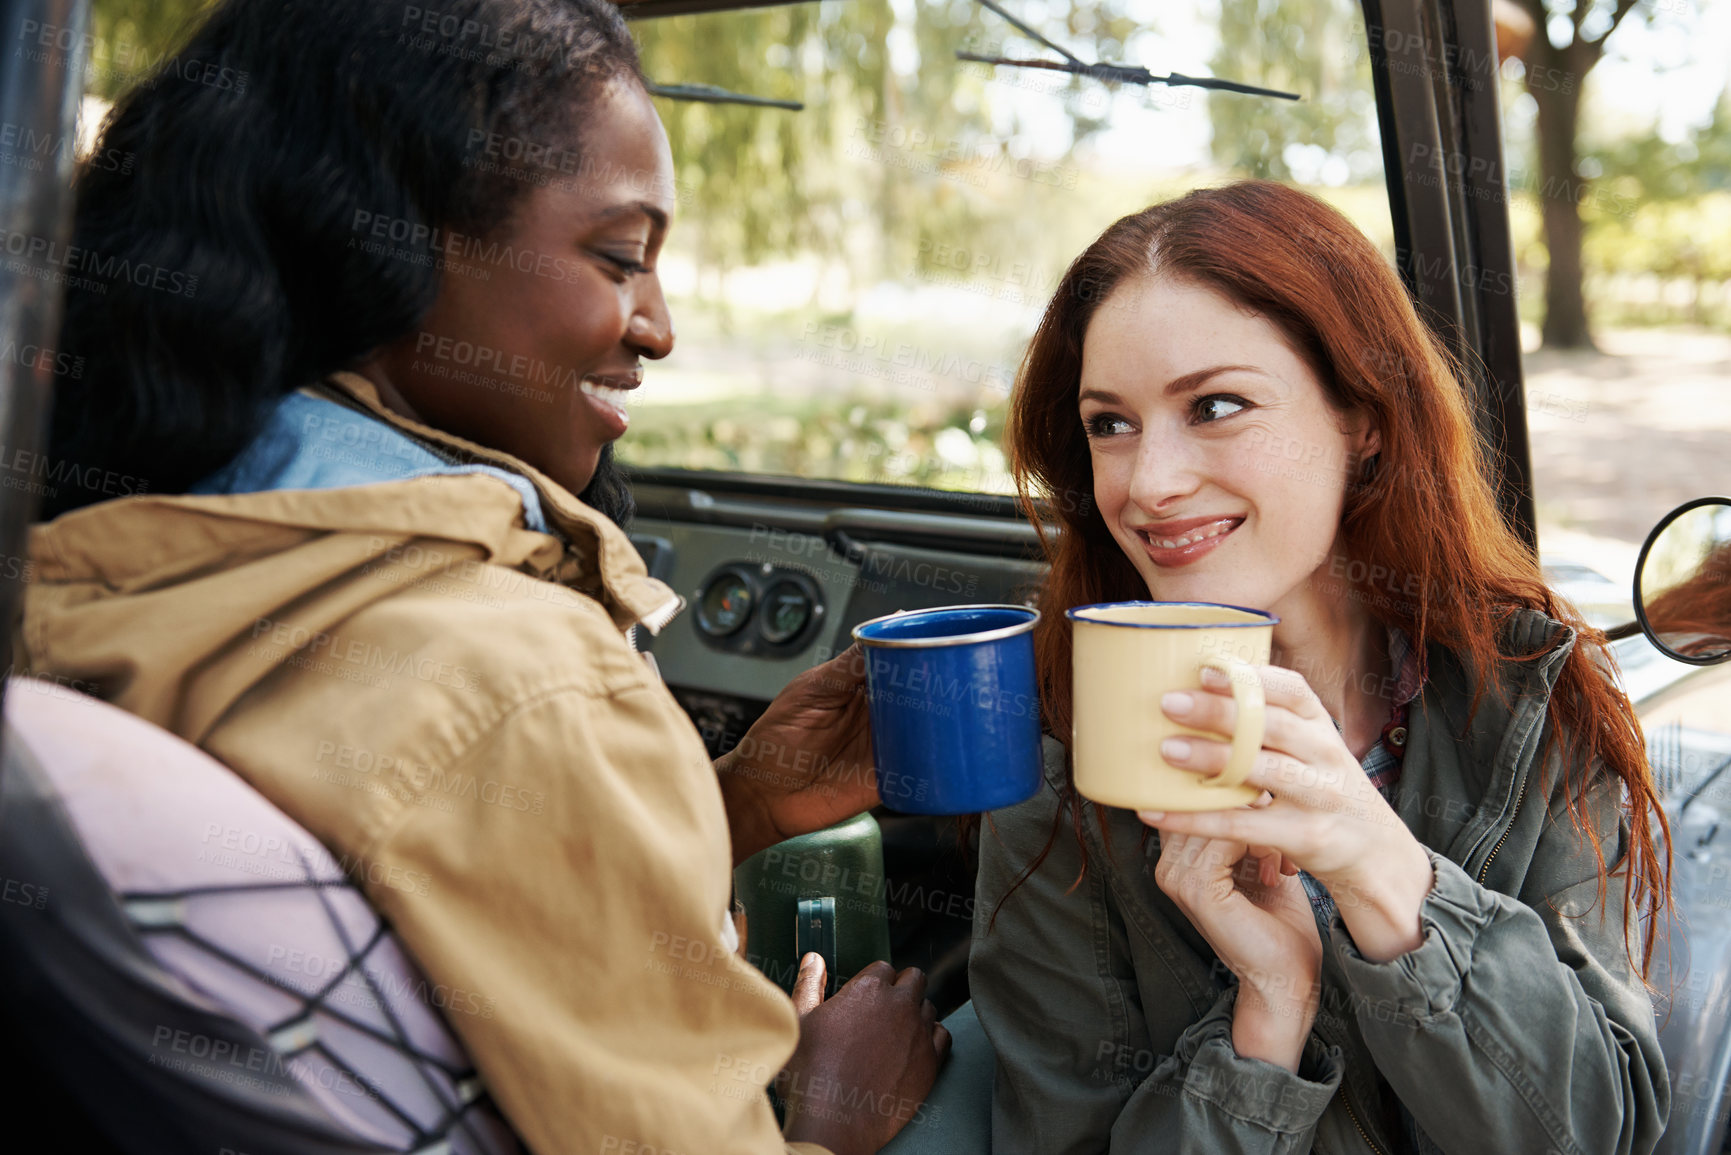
955, 708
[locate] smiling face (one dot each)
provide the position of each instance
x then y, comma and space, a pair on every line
538, 333
1219, 466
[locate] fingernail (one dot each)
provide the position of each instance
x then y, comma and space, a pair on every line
1150, 815
1177, 702
1175, 749
1215, 676
812, 959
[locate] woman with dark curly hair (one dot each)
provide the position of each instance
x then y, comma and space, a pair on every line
1430, 931
359, 328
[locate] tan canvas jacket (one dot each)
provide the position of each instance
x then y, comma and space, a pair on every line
450, 702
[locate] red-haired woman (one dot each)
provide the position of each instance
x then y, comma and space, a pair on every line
1431, 931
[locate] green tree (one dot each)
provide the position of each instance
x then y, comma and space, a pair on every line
1569, 42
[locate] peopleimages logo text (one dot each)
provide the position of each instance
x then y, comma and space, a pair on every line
73, 259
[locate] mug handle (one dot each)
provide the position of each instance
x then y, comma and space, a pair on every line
1247, 735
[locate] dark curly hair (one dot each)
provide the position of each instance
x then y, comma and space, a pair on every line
222, 268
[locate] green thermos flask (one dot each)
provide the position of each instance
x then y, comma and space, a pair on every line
823, 891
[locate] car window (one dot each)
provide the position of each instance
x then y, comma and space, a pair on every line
1628, 380
854, 282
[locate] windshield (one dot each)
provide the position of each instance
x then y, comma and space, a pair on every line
853, 283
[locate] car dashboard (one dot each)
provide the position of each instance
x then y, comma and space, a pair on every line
775, 586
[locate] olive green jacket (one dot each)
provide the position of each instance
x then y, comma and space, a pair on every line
1518, 1025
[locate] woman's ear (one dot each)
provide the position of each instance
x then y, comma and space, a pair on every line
1364, 437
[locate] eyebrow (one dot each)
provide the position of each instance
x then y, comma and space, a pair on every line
657, 218
1175, 386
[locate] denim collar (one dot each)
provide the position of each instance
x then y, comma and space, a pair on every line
315, 442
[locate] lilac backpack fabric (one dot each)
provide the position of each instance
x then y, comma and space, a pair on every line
199, 971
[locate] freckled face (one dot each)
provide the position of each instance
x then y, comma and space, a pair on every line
1219, 465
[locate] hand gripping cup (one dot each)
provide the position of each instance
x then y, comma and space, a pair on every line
955, 709
1127, 655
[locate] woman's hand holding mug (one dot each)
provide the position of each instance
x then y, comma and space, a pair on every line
1323, 815
806, 763
1259, 921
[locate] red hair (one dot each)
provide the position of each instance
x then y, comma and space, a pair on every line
1425, 508
1697, 612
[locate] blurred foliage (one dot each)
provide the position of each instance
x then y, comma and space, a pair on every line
750, 159
1658, 220
855, 437
1663, 262
1317, 49
895, 135
1648, 168
768, 184
1669, 263
134, 33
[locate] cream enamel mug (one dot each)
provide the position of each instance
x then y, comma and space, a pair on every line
1127, 655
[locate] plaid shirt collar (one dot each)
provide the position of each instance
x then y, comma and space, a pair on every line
1382, 762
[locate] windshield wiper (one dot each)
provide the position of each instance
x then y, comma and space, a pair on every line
1120, 73
710, 94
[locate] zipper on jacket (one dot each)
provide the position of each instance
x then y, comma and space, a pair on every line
1344, 1042
1522, 797
656, 619
1346, 1098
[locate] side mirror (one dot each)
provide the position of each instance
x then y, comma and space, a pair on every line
1683, 583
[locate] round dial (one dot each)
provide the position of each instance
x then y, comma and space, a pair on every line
787, 610
725, 605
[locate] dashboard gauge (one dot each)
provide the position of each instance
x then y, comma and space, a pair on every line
725, 605
787, 610
757, 610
